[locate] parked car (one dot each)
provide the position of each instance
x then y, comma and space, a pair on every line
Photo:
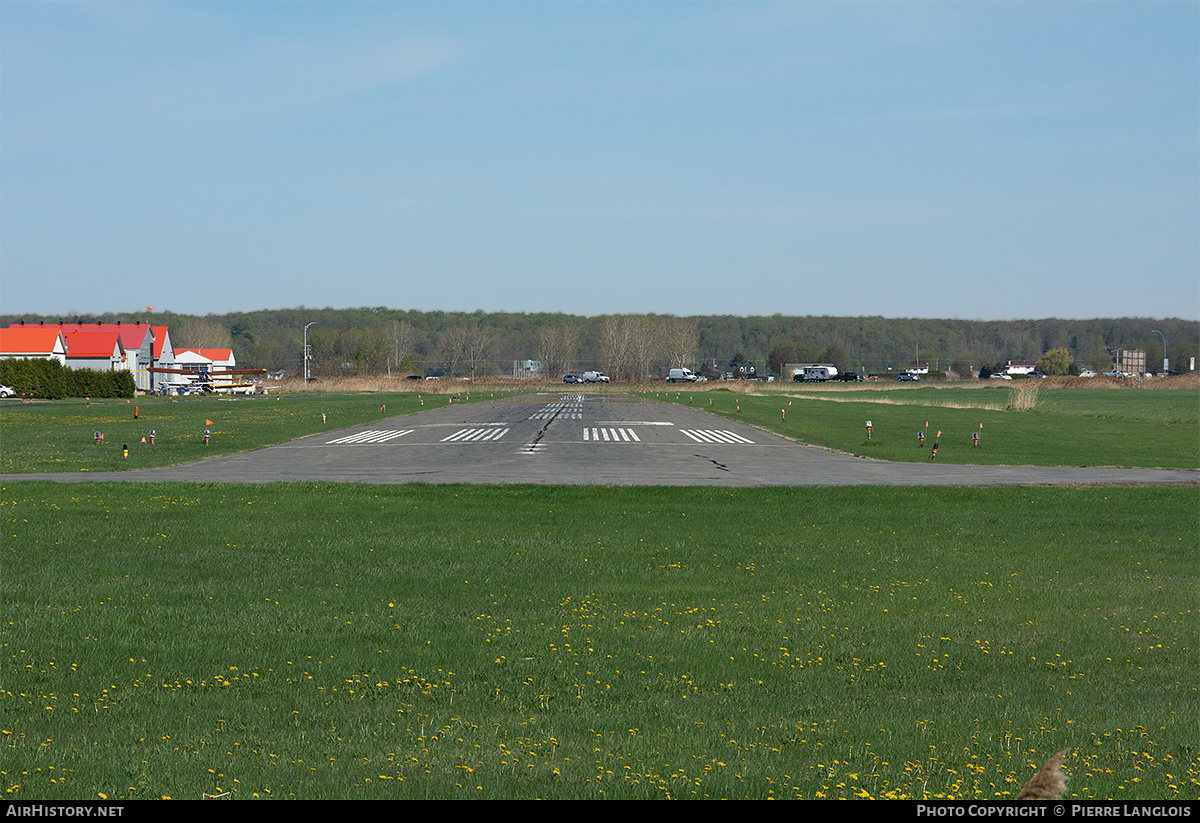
572, 378
1087, 373
1036, 374
595, 377
7, 391
681, 376
999, 375
850, 377
909, 376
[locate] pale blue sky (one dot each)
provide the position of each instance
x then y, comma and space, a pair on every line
986, 160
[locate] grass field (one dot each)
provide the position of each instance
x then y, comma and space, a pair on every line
454, 642
1063, 427
57, 437
340, 641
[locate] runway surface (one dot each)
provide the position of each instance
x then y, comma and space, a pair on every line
578, 439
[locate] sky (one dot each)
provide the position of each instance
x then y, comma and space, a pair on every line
975, 160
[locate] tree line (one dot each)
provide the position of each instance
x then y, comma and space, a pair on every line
375, 341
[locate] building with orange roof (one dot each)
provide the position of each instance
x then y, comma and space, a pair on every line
142, 344
216, 359
34, 342
99, 350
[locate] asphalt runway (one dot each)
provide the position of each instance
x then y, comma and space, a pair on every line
581, 439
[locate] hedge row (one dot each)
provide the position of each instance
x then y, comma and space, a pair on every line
51, 380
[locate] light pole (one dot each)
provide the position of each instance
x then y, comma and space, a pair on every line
313, 323
1166, 360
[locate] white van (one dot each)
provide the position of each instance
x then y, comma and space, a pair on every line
681, 376
595, 377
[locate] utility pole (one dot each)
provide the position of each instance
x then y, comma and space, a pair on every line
313, 323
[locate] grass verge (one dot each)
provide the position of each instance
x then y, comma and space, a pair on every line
328, 641
1063, 428
60, 437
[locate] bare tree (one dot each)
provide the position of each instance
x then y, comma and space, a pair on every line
556, 348
452, 347
680, 338
628, 345
200, 333
477, 345
642, 333
613, 345
401, 340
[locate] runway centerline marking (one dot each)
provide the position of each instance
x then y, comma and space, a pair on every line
634, 423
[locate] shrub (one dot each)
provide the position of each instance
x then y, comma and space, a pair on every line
51, 380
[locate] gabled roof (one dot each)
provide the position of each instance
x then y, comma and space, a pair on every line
94, 344
161, 336
222, 356
133, 335
35, 340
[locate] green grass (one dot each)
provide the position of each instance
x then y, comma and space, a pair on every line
1082, 427
1067, 427
326, 641
59, 437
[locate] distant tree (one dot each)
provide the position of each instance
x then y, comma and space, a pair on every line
556, 349
781, 355
679, 338
478, 346
628, 345
270, 355
835, 353
614, 345
401, 340
645, 342
809, 353
963, 362
452, 347
200, 333
1056, 361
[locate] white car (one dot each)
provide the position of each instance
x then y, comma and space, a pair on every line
999, 375
7, 391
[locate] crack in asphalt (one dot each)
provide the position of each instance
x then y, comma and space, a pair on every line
720, 466
542, 432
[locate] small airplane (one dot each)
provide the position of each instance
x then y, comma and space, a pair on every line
208, 380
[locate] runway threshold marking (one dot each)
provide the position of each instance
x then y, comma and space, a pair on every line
381, 436
475, 435
715, 436
568, 409
611, 435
